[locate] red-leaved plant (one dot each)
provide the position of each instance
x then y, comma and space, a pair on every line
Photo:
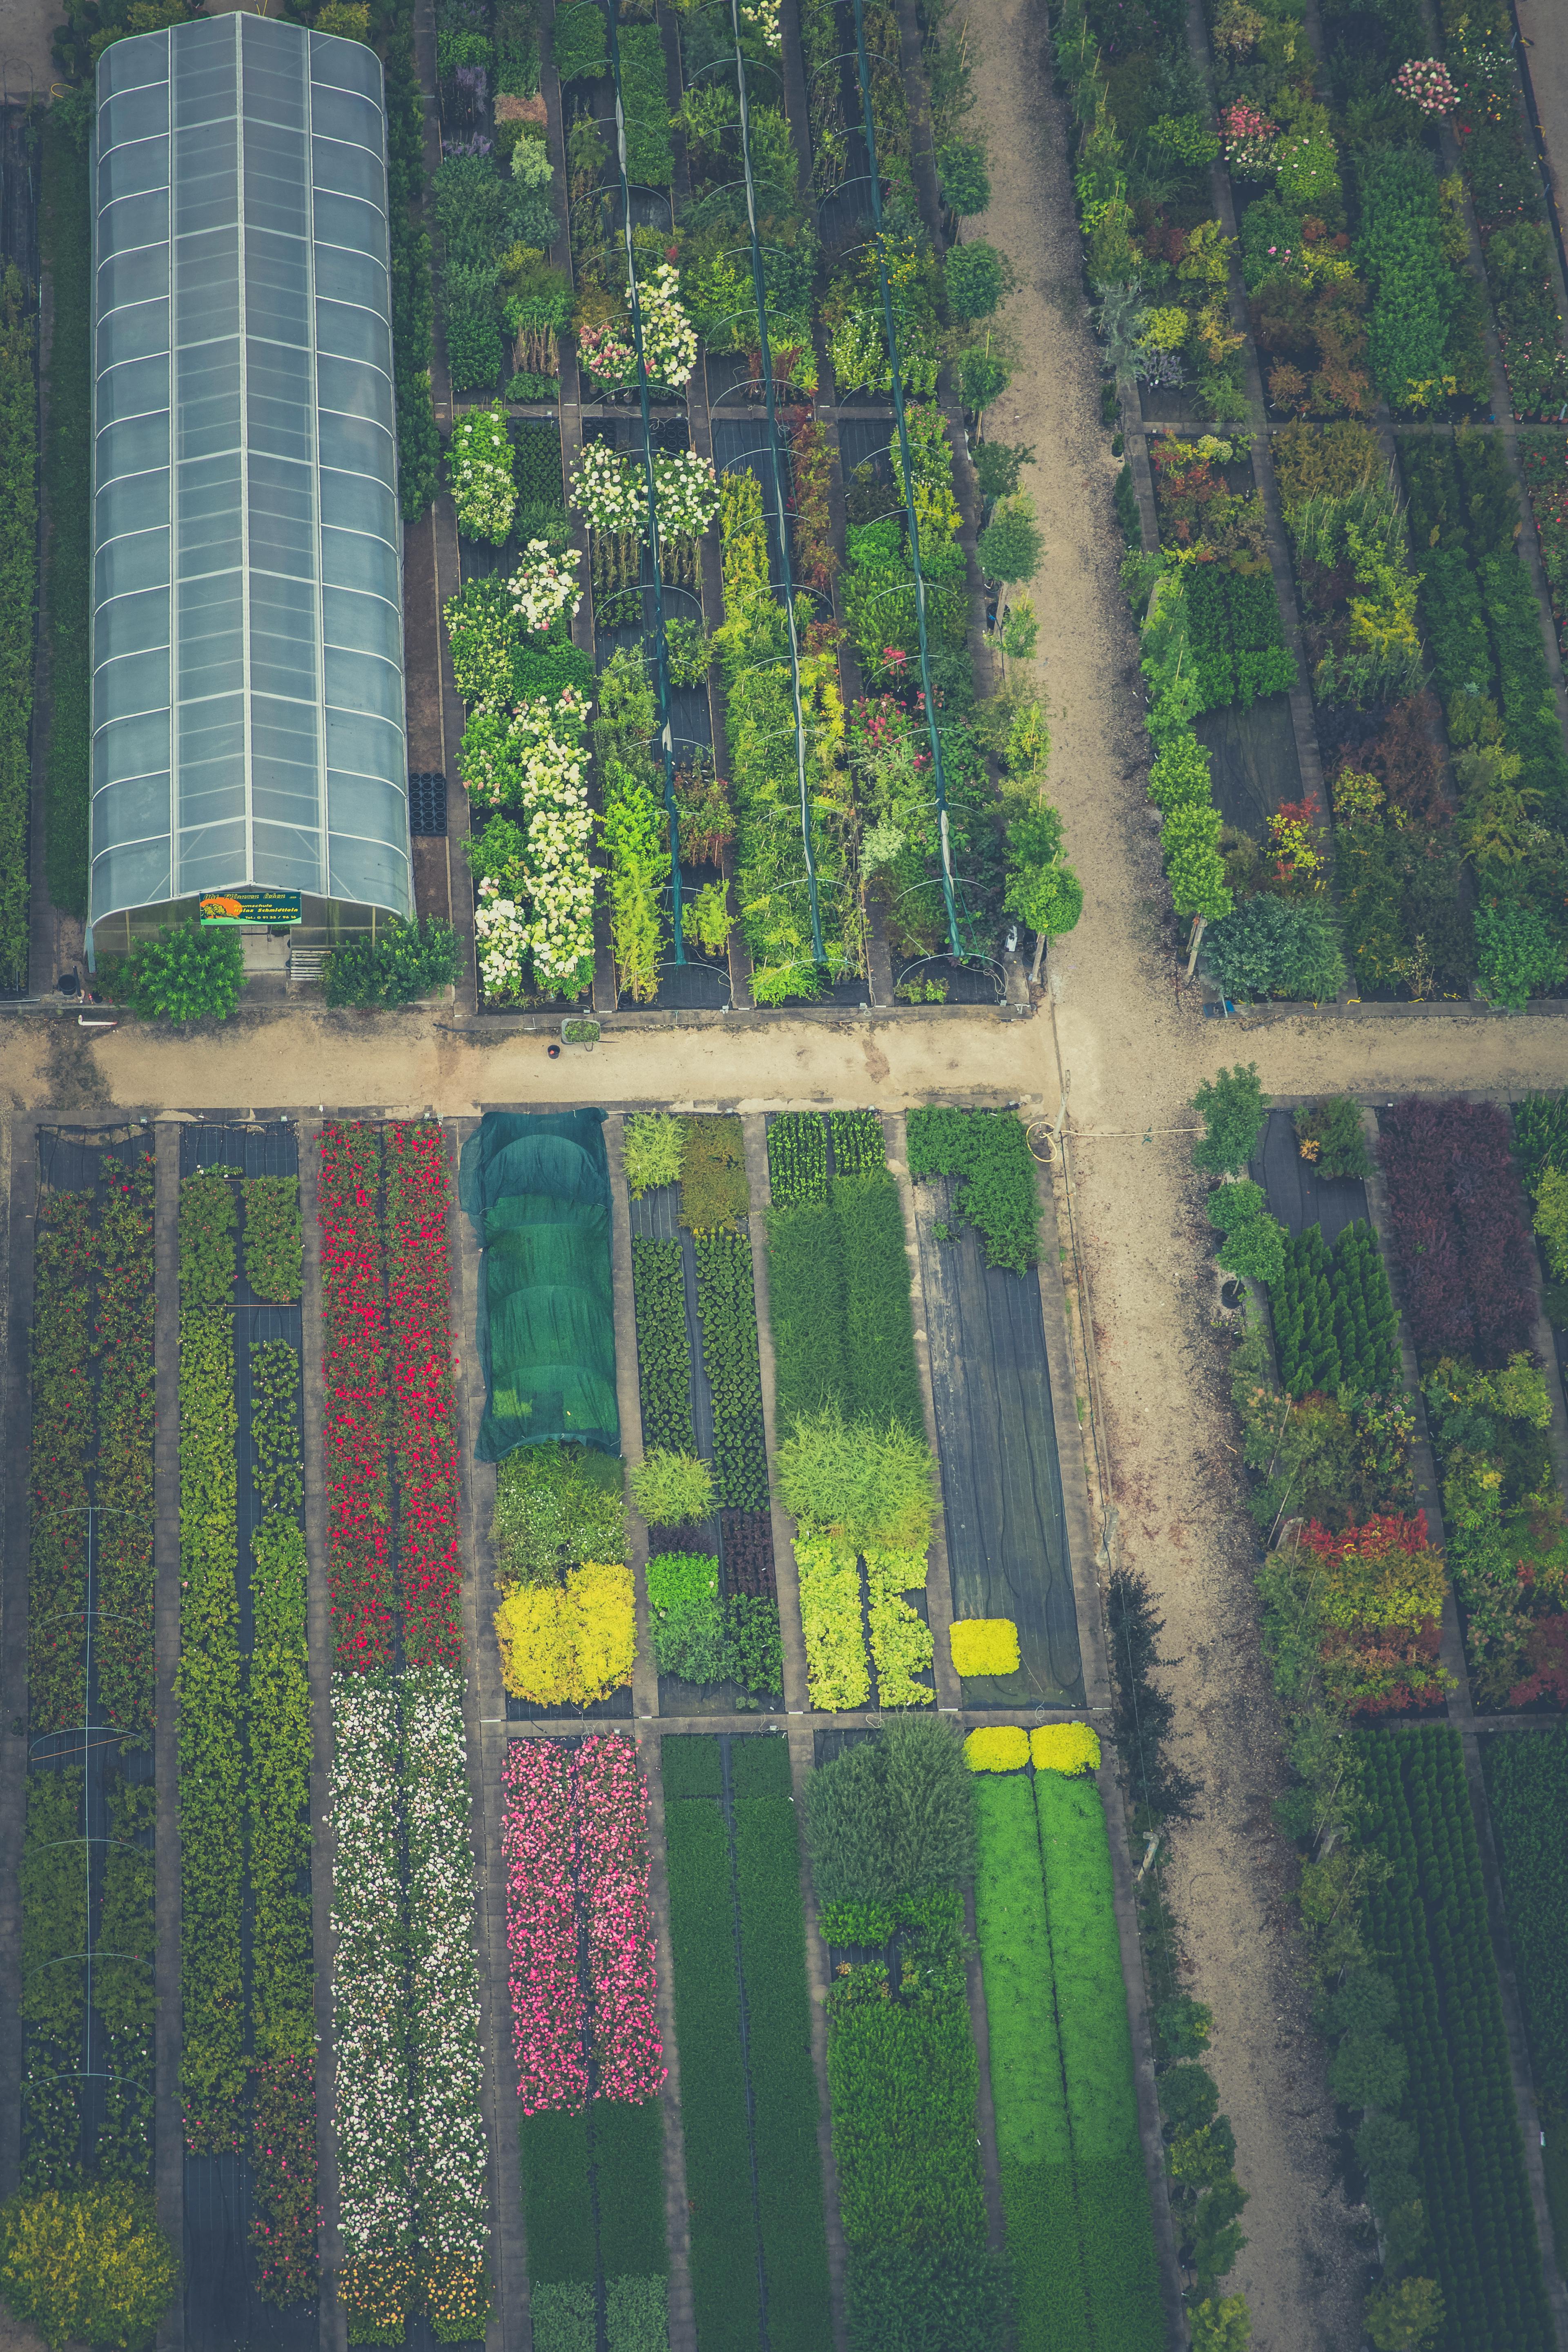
1459, 1235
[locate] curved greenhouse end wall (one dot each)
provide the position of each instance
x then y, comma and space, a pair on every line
247, 622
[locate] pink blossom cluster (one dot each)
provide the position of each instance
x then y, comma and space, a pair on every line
612, 1864
1427, 83
1249, 138
539, 1839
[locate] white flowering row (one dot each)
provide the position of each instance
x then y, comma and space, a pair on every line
612, 494
543, 586
668, 337
479, 469
451, 2155
370, 2007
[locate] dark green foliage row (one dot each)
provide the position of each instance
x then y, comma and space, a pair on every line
689, 1765
397, 967
903, 2082
412, 304
806, 1311
581, 50
1121, 2272
537, 442
878, 1319
1484, 619
892, 1817
712, 2080
66, 236
990, 1151
664, 1355
1526, 1780
628, 2180
727, 1311
645, 102
1334, 1319
798, 1158
1430, 1921
18, 603
557, 2196
760, 1767
858, 1143
926, 2299
208, 1216
778, 2057
1540, 1136
1401, 250
274, 1253
1233, 628
838, 1300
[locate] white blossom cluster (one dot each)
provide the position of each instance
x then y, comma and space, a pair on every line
686, 493
668, 337
480, 468
606, 491
450, 2157
370, 2008
543, 586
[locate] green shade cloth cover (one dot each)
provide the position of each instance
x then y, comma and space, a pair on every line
537, 1189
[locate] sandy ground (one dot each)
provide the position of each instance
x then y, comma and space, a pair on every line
1544, 28
27, 27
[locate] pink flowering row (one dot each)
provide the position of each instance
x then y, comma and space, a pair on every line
578, 1925
613, 1869
539, 1843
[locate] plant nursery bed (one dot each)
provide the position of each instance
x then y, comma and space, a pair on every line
1297, 1195
1253, 764
1007, 1531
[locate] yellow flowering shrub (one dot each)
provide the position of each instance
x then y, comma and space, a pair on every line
985, 1646
1064, 1748
88, 2265
999, 1747
567, 1646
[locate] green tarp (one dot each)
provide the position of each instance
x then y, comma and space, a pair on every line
537, 1189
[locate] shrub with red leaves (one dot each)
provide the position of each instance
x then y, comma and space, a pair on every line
1459, 1235
1546, 1655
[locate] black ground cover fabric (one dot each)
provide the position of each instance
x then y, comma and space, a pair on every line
1297, 1195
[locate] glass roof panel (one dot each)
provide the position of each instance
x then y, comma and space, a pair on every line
247, 622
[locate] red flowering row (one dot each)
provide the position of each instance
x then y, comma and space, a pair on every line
423, 1435
359, 1491
576, 1841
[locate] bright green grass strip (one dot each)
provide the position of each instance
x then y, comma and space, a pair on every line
1033, 2138
878, 1323
712, 2080
784, 2083
1120, 2266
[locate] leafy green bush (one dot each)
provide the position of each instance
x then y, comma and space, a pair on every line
1011, 545
806, 1312
672, 1489
578, 43
965, 181
976, 278
727, 1312
1401, 250
687, 1616
664, 1351
871, 1487
273, 1243
798, 1158
1518, 954
713, 1186
1270, 946
1233, 1110
412, 304
650, 158
859, 1144
1334, 1321
556, 1507
397, 967
892, 1816
942, 2298
1332, 1138
989, 1153
189, 974
89, 2266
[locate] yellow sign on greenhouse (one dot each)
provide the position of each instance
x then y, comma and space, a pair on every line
247, 906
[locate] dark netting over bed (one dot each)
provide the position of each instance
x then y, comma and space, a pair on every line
537, 1188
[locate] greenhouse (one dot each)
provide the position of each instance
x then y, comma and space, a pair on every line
247, 629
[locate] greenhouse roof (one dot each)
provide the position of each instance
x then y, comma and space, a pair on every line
247, 627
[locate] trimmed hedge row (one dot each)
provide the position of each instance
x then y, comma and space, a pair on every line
664, 1353
1430, 1917
65, 235
18, 599
750, 2111
727, 1311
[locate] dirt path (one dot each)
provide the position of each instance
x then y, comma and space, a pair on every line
1131, 1062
